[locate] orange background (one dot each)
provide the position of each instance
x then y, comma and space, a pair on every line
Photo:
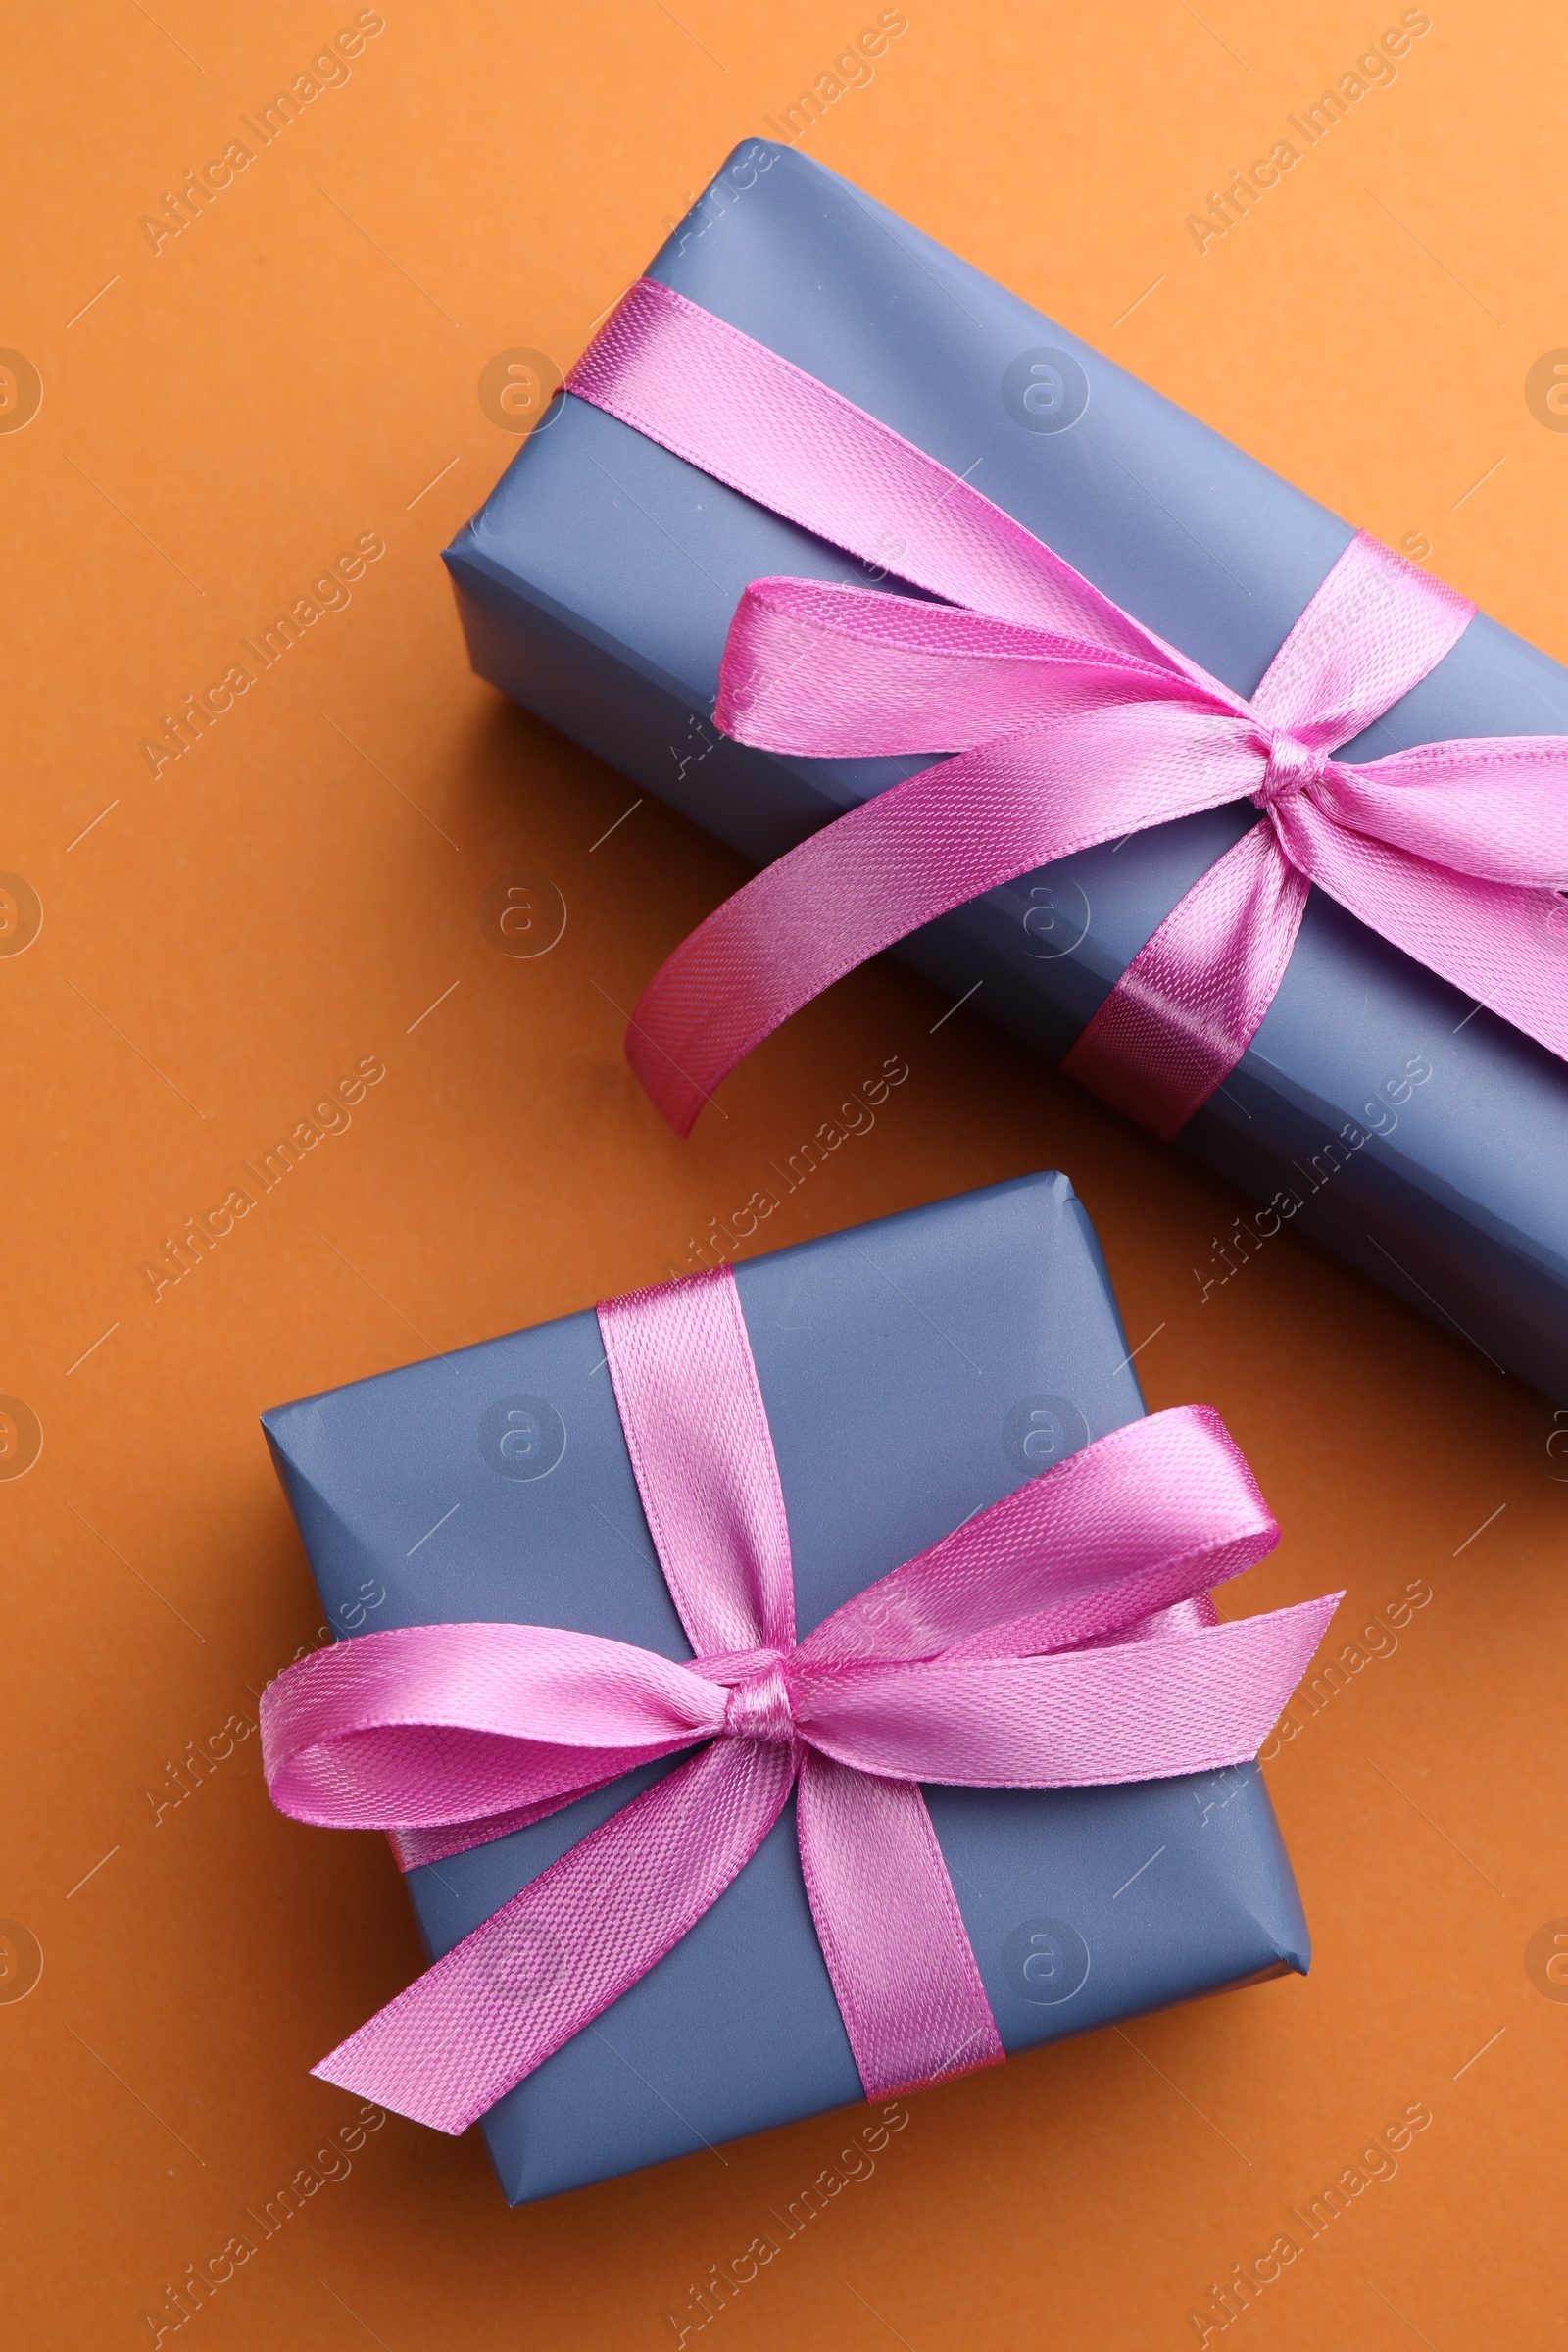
218, 421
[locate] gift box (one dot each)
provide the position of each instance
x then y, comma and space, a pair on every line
598, 583
913, 1371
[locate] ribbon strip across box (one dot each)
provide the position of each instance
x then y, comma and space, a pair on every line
913, 1374
1384, 1110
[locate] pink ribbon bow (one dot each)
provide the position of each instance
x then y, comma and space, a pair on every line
1071, 724
1063, 1637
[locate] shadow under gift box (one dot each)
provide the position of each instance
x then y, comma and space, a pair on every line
914, 1371
596, 585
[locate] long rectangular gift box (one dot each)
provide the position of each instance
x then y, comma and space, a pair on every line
1376, 1107
914, 1372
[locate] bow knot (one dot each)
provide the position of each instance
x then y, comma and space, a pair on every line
1293, 766
758, 1705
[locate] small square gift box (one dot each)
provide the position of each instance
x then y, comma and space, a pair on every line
988, 653
785, 1685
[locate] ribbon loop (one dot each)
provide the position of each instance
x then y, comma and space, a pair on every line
842, 672
1151, 1515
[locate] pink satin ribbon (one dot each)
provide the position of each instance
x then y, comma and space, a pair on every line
1063, 1637
1071, 724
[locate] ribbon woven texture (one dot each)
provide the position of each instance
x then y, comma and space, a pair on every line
1061, 1638
1071, 724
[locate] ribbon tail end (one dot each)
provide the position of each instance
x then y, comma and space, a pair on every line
1318, 1614
353, 2067
1302, 1629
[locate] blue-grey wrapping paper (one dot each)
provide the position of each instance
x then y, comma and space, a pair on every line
596, 585
913, 1371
